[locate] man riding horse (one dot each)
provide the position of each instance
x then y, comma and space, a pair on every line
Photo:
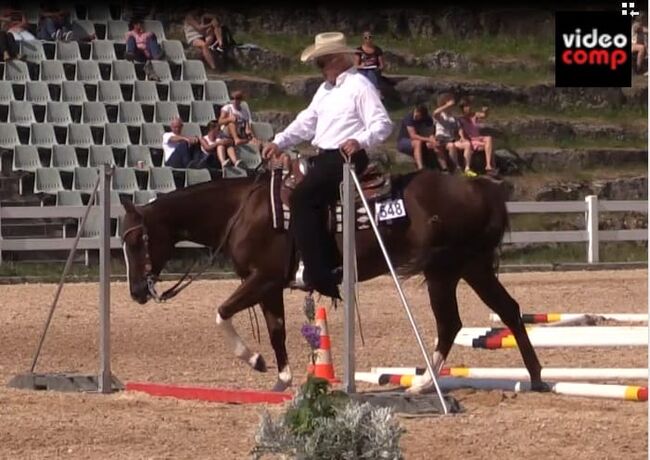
344, 118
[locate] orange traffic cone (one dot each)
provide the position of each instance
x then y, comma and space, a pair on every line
323, 367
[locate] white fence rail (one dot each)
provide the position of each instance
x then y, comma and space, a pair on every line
591, 235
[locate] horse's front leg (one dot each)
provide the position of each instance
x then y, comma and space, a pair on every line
273, 308
247, 294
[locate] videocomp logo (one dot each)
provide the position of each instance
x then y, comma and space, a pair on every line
592, 49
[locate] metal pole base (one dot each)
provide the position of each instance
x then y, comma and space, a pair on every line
407, 404
61, 382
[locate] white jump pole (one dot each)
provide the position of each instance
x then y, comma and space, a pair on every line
592, 390
555, 317
517, 373
559, 332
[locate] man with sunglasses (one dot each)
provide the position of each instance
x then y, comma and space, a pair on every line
344, 118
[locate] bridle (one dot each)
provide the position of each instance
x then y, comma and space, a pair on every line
186, 279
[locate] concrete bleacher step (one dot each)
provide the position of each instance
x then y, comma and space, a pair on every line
33, 228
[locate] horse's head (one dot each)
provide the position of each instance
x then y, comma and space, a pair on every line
147, 246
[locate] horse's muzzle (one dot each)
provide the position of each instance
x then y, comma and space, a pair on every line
140, 292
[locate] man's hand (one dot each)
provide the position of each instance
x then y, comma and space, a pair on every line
450, 103
350, 146
271, 150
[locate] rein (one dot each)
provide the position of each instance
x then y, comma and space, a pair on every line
186, 279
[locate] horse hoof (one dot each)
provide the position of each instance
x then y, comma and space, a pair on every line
259, 363
541, 387
280, 386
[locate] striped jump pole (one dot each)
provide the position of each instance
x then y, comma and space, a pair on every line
591, 390
517, 373
552, 331
540, 318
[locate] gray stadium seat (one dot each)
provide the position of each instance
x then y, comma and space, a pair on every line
202, 112
145, 92
16, 71
84, 179
136, 153
141, 197
80, 135
103, 51
42, 135
58, 113
124, 71
161, 180
162, 70
191, 129
231, 172
156, 27
194, 71
21, 113
116, 30
68, 198
94, 113
165, 112
262, 130
64, 158
73, 92
26, 159
116, 135
83, 27
32, 50
109, 92
152, 134
37, 92
8, 136
99, 155
6, 96
47, 181
115, 197
181, 92
249, 155
68, 52
125, 181
131, 113
88, 72
173, 51
197, 176
217, 92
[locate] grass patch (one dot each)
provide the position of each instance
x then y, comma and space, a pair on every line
279, 102
623, 116
515, 142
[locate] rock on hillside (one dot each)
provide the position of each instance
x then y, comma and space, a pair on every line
553, 129
634, 188
549, 159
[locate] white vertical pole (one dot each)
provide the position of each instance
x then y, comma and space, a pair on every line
105, 384
349, 281
592, 229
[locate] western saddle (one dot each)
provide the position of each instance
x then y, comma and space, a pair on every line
375, 183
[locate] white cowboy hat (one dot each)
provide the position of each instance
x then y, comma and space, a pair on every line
326, 43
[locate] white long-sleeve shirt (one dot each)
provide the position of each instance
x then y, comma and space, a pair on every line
349, 109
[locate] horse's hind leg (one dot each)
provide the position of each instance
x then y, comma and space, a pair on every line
247, 294
273, 308
480, 275
442, 296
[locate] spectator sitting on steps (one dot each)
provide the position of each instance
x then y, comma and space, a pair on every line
449, 136
216, 143
203, 31
141, 46
469, 124
640, 42
415, 136
180, 151
236, 122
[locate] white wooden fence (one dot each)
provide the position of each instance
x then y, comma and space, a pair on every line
591, 235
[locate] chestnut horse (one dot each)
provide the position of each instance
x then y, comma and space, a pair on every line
453, 229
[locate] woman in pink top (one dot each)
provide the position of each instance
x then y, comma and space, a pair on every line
469, 124
141, 46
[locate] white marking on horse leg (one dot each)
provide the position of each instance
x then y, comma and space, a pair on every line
424, 383
285, 375
239, 347
438, 362
126, 262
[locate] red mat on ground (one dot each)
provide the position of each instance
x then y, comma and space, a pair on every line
209, 394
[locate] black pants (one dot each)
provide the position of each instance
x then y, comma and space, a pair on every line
309, 203
7, 43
